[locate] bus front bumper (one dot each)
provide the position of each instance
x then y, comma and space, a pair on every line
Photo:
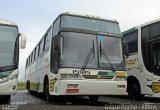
92, 87
8, 88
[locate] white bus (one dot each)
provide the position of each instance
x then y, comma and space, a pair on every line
9, 57
78, 55
143, 59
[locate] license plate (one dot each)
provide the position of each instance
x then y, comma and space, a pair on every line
72, 90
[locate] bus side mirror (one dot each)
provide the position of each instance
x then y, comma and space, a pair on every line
125, 49
22, 39
56, 61
55, 42
54, 56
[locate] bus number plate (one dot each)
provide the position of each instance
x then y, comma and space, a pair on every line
72, 90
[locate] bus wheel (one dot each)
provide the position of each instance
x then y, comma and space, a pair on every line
93, 99
47, 94
28, 87
7, 98
134, 91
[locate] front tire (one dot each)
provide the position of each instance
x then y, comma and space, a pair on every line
134, 91
7, 98
28, 87
46, 90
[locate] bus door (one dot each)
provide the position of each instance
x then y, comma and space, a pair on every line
155, 51
156, 58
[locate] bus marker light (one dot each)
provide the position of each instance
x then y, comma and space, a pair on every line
98, 76
72, 85
156, 87
120, 74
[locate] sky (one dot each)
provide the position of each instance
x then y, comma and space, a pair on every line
33, 17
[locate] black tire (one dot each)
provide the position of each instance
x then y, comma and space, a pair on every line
6, 98
134, 91
93, 99
46, 90
28, 87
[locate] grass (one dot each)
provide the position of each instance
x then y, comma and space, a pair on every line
21, 86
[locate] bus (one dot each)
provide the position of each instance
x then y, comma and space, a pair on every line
142, 53
9, 57
79, 55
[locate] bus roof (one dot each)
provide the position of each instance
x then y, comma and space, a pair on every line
7, 22
139, 26
89, 16
129, 31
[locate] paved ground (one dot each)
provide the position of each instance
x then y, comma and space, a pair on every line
24, 101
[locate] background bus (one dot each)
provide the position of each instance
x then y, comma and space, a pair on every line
9, 57
78, 55
143, 59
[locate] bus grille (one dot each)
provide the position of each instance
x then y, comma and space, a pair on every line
95, 77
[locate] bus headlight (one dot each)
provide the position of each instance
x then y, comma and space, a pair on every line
121, 73
120, 78
65, 76
9, 78
12, 76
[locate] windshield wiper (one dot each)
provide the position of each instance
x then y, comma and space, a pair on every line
16, 52
103, 51
88, 56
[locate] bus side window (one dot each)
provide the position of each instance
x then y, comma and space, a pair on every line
38, 49
41, 46
45, 43
48, 36
56, 26
35, 53
125, 48
132, 41
27, 62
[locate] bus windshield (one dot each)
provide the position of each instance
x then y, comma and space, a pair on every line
110, 54
76, 47
90, 24
8, 36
